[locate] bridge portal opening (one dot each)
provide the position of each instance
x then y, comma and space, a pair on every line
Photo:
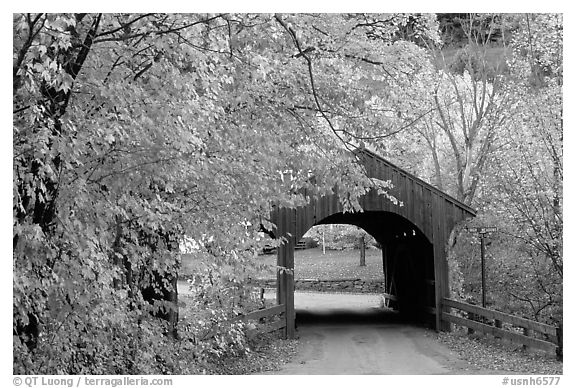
407, 261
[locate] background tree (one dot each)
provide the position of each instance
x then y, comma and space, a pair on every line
528, 169
521, 191
493, 139
340, 236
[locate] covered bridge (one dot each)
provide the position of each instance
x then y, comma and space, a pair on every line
413, 238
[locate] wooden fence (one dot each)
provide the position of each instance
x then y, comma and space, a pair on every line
533, 334
267, 313
261, 316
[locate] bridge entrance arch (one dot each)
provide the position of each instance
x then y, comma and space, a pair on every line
413, 238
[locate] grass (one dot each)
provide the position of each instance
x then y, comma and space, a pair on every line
313, 264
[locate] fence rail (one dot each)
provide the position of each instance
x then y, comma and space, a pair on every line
257, 315
552, 340
279, 310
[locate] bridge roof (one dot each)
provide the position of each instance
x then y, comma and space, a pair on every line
369, 157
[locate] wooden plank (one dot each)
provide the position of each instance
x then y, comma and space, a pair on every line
437, 243
442, 237
383, 202
449, 217
458, 203
442, 279
296, 223
300, 217
289, 277
318, 210
403, 195
311, 212
268, 328
265, 313
527, 333
518, 338
280, 257
410, 205
333, 207
375, 201
420, 210
371, 164
389, 296
508, 318
395, 189
275, 325
426, 205
325, 204
305, 220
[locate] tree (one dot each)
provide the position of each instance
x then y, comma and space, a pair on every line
521, 192
460, 90
493, 139
132, 131
362, 244
528, 173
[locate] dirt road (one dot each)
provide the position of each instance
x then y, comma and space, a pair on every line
352, 334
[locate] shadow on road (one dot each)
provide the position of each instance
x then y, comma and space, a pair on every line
372, 316
345, 316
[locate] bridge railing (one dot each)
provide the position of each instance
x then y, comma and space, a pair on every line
524, 331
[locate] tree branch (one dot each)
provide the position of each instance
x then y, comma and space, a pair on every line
304, 55
24, 49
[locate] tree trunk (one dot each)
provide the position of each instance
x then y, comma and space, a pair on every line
362, 252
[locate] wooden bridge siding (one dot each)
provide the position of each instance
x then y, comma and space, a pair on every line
297, 221
440, 270
406, 189
433, 212
285, 220
419, 210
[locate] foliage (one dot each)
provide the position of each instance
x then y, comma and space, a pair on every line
131, 132
528, 174
493, 139
135, 132
339, 237
521, 193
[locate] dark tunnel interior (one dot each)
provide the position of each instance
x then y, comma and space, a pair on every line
407, 258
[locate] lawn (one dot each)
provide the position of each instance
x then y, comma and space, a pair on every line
313, 264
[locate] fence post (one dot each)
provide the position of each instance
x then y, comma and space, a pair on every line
498, 325
560, 348
527, 333
262, 301
471, 317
